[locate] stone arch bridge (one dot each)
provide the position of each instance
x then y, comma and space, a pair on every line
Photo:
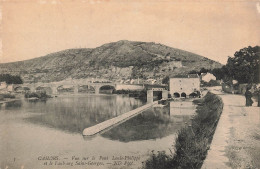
53, 86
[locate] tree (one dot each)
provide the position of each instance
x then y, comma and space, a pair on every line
244, 66
218, 73
193, 72
10, 79
222, 73
203, 70
165, 80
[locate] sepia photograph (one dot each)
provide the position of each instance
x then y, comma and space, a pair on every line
129, 84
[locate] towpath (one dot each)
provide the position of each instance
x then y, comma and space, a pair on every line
236, 142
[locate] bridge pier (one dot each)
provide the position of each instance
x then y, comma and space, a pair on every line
54, 90
76, 89
97, 89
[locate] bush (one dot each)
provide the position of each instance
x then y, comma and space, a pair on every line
165, 80
10, 79
41, 95
30, 95
210, 83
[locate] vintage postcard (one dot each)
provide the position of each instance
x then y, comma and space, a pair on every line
129, 84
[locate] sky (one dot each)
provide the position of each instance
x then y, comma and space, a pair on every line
212, 28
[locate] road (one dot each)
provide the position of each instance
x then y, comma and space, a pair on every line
236, 142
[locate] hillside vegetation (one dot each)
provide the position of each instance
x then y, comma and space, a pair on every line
113, 61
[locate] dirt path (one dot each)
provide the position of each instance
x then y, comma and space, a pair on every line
236, 142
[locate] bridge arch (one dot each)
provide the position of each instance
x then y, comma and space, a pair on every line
47, 90
65, 88
106, 89
18, 88
86, 89
22, 89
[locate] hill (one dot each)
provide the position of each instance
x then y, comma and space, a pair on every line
113, 61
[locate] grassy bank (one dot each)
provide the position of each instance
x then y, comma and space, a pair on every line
193, 141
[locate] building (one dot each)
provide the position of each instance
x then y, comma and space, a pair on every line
184, 85
206, 77
150, 81
3, 87
10, 88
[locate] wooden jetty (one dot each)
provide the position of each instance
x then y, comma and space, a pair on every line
90, 131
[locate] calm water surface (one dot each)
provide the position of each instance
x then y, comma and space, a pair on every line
32, 130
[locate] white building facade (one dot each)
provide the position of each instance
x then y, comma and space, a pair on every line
184, 86
3, 85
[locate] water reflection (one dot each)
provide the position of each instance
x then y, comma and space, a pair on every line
31, 130
75, 113
151, 124
182, 108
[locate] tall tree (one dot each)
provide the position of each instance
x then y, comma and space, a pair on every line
244, 66
165, 80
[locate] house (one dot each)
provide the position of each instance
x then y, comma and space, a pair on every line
184, 85
150, 81
3, 85
207, 77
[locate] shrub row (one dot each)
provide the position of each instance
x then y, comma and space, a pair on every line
40, 95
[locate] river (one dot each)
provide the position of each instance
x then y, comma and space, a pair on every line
36, 135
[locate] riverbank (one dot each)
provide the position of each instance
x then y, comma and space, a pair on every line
236, 143
8, 101
115, 121
192, 142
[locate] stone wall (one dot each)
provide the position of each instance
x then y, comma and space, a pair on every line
128, 87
